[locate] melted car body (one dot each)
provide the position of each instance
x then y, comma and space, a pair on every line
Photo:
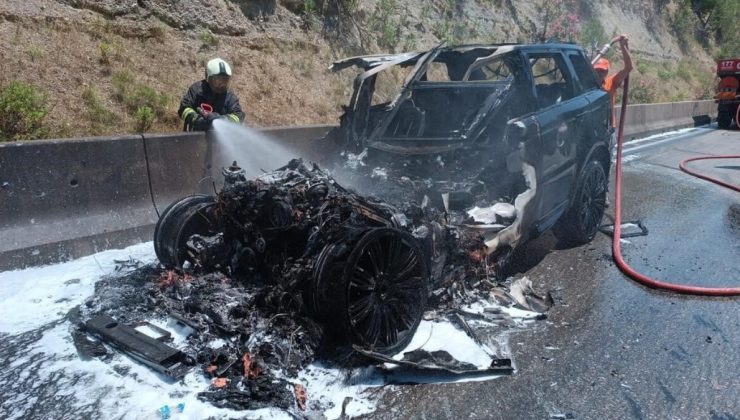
511, 116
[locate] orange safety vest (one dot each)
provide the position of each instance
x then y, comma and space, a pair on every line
610, 87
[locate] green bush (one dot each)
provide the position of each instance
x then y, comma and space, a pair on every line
349, 5
22, 112
134, 95
147, 96
208, 38
683, 71
642, 92
641, 65
682, 23
385, 23
664, 74
35, 52
158, 32
96, 111
105, 52
310, 15
593, 35
677, 97
122, 83
144, 118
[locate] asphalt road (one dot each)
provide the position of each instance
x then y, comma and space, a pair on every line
611, 348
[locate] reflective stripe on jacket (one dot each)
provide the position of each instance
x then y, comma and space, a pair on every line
226, 104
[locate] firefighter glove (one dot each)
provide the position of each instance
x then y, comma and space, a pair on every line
200, 123
213, 116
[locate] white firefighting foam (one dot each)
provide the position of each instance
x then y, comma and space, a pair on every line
37, 299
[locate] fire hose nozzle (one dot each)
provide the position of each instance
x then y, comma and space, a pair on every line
607, 47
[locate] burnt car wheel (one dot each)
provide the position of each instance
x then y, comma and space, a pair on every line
180, 220
581, 222
371, 288
386, 285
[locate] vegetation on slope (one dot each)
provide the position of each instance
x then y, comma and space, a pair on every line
94, 68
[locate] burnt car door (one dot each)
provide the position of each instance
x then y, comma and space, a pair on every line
441, 107
358, 115
560, 111
378, 126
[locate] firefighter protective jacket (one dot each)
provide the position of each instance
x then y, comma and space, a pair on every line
226, 104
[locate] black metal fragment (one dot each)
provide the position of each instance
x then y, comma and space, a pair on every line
325, 253
85, 347
153, 353
439, 361
275, 272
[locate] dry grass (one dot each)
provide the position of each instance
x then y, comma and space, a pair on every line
279, 81
280, 75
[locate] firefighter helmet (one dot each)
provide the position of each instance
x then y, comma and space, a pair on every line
218, 67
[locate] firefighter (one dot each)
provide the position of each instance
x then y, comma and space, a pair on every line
210, 99
611, 83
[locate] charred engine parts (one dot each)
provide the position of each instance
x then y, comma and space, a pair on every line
338, 257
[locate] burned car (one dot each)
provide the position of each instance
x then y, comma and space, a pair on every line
526, 121
481, 148
321, 250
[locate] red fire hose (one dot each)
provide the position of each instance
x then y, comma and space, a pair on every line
684, 168
616, 251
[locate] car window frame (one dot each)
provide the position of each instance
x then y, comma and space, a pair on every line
566, 71
577, 75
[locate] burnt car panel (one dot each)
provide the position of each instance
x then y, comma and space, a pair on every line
366, 62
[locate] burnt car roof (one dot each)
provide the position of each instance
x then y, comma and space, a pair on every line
367, 62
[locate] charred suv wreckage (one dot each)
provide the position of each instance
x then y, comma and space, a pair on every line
524, 124
483, 148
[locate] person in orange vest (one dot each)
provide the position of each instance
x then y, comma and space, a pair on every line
611, 83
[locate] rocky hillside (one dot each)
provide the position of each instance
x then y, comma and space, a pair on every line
108, 66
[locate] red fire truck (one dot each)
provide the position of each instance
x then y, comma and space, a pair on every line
728, 92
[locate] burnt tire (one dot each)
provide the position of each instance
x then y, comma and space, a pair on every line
581, 221
375, 292
180, 220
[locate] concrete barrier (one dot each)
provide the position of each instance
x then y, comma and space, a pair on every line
67, 198
646, 119
188, 163
179, 165
62, 199
305, 140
